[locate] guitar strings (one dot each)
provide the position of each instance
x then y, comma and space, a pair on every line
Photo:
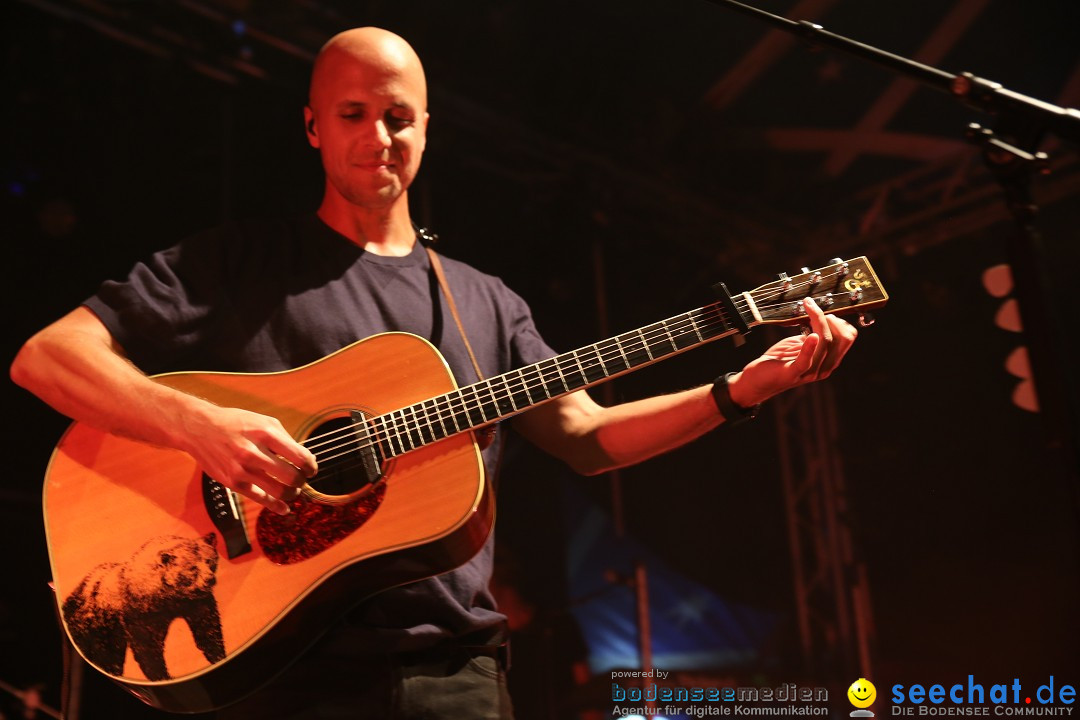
410, 434
469, 405
405, 430
536, 378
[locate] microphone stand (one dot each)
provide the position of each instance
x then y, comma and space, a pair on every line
1010, 153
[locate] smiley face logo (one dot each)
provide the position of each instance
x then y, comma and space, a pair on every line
862, 693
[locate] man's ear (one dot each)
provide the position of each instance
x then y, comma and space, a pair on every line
309, 127
427, 117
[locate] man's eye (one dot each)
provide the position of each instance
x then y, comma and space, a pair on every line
399, 121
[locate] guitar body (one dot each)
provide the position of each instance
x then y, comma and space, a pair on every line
147, 590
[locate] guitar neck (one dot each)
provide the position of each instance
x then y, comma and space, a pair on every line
842, 286
503, 396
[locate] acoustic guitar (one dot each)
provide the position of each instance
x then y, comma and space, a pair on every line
191, 597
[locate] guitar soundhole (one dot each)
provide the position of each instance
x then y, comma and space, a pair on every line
350, 462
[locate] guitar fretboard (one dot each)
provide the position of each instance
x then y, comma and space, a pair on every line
503, 396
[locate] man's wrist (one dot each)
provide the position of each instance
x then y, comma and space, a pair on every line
731, 409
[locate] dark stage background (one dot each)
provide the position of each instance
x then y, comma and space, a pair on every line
682, 144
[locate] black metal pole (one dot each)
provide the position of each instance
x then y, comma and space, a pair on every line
977, 92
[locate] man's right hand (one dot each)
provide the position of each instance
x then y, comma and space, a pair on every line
249, 453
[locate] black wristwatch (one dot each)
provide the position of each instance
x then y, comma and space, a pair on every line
732, 413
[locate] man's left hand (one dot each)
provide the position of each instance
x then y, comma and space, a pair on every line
795, 360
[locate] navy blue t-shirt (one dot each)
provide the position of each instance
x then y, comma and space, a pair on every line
274, 295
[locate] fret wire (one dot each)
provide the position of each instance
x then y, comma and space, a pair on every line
540, 376
581, 369
479, 402
493, 400
524, 386
510, 393
397, 433
423, 424
569, 373
592, 365
407, 430
384, 439
596, 351
479, 407
562, 377
432, 413
506, 391
619, 346
693, 324
674, 347
388, 422
410, 429
453, 415
416, 434
404, 432
645, 343
525, 383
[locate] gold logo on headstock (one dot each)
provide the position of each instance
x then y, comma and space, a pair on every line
858, 280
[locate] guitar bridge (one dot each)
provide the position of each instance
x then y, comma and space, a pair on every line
224, 512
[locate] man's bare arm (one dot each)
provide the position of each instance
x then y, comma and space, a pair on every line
77, 367
594, 439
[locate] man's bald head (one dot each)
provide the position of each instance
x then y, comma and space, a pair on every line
367, 115
379, 51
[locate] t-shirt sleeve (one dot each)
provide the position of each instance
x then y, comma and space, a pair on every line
163, 310
526, 344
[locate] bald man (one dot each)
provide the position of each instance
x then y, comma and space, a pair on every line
271, 295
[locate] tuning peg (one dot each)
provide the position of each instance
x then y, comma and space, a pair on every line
815, 278
843, 265
785, 282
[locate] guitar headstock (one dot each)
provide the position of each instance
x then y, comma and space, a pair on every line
842, 286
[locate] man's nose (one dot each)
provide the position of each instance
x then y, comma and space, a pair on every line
377, 135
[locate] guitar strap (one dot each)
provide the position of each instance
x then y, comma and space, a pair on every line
436, 266
487, 435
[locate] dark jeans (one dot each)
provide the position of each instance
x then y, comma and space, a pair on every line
452, 683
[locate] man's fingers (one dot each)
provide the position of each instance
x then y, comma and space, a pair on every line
819, 323
286, 472
844, 335
805, 359
298, 457
259, 495
836, 337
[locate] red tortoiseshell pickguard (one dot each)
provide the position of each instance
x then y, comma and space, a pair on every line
312, 527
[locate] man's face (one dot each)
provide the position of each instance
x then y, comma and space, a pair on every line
367, 118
